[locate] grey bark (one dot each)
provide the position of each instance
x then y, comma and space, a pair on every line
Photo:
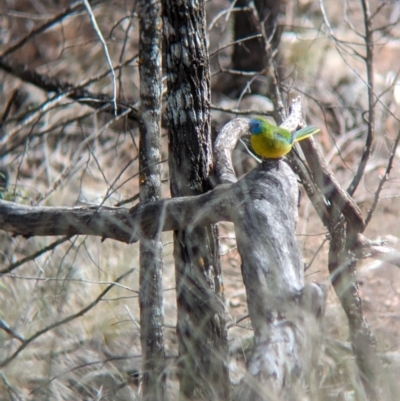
263, 207
202, 337
151, 265
284, 322
284, 313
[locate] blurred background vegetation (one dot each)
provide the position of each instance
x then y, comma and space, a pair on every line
58, 152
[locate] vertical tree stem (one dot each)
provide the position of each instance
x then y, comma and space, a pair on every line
151, 296
201, 325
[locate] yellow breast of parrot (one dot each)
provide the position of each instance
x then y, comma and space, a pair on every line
269, 147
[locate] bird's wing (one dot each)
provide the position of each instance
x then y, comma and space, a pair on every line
283, 138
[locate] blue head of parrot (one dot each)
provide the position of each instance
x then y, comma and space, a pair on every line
256, 126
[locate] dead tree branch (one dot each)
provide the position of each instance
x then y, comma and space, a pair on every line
74, 92
74, 8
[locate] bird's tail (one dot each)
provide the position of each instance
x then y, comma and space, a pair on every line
305, 132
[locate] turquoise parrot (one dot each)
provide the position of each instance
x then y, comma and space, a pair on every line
272, 142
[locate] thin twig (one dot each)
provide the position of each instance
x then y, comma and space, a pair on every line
238, 72
4, 326
316, 253
258, 35
10, 388
80, 280
383, 179
78, 154
105, 49
242, 112
34, 255
73, 8
50, 84
63, 321
131, 316
129, 200
9, 105
369, 60
236, 322
36, 113
227, 12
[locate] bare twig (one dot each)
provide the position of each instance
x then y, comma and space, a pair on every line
241, 112
129, 200
238, 72
9, 105
35, 255
10, 388
258, 35
12, 140
227, 12
105, 49
77, 93
97, 282
73, 8
63, 321
369, 60
383, 179
132, 317
237, 321
4, 326
330, 187
35, 114
316, 253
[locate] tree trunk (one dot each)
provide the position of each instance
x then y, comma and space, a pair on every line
151, 295
201, 324
252, 55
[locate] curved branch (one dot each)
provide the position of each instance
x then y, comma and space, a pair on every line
224, 145
239, 127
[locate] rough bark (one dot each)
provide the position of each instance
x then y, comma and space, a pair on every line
151, 289
121, 224
285, 327
201, 328
282, 310
343, 218
263, 207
